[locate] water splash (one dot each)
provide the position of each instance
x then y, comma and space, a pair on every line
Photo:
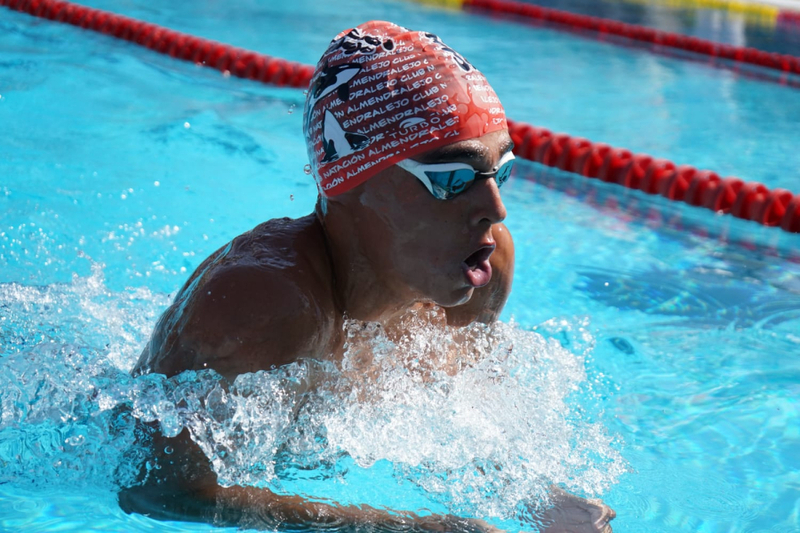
62, 346
83, 313
483, 429
482, 419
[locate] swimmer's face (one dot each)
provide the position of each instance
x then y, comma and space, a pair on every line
437, 249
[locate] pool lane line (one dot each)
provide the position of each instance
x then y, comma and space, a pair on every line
739, 54
700, 188
751, 201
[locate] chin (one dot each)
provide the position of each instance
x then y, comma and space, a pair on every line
455, 298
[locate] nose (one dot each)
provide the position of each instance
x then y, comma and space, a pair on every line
487, 205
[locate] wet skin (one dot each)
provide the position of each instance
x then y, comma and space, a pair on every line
279, 293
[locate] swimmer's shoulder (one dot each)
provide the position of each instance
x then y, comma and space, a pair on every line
262, 301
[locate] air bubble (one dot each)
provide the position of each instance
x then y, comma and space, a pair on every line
307, 169
168, 450
75, 440
291, 109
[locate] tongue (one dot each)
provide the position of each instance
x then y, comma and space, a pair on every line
478, 275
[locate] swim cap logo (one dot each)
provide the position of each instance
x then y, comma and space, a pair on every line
357, 41
333, 79
460, 60
337, 142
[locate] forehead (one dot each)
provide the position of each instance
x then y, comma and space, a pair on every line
488, 147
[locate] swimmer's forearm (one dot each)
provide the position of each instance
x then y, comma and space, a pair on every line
184, 487
251, 507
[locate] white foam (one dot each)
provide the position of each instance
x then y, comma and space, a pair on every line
483, 419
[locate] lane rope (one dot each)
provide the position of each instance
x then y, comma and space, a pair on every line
738, 54
701, 188
748, 200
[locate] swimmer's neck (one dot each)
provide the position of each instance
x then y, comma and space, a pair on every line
360, 291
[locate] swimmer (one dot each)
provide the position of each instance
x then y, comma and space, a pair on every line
409, 147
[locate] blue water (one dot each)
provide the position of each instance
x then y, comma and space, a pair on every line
120, 170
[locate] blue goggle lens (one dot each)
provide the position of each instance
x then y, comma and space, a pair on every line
452, 182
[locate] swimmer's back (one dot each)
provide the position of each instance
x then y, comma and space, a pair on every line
263, 300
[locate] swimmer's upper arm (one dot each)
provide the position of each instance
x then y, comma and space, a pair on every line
487, 302
245, 318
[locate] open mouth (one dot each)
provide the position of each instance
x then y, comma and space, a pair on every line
476, 267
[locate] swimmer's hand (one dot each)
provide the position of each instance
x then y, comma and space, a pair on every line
571, 514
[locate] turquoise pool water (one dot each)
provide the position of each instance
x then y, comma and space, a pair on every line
121, 170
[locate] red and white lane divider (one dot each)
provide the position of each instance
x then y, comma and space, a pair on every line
701, 188
782, 62
750, 201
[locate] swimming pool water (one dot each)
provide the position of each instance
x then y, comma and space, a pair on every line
121, 170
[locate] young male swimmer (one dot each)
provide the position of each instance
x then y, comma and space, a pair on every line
409, 147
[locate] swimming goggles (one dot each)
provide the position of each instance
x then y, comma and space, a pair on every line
446, 180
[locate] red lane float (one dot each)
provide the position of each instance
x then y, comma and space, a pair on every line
783, 62
751, 201
223, 57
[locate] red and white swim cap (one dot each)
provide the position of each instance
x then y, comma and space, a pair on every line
381, 94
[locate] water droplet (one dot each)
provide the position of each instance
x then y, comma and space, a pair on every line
307, 169
291, 197
187, 125
156, 183
75, 440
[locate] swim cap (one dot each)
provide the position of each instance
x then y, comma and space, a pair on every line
381, 94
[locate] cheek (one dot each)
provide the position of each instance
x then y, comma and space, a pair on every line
417, 232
